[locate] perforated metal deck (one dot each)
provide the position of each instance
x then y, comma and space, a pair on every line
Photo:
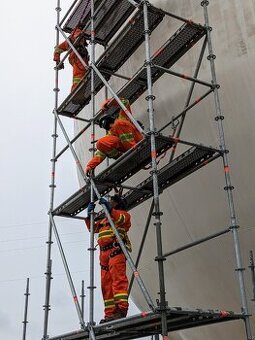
169, 53
182, 166
142, 325
126, 166
80, 13
112, 59
109, 17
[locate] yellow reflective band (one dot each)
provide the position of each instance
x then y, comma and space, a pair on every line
113, 153
109, 303
76, 80
105, 233
100, 154
121, 297
58, 50
126, 137
121, 219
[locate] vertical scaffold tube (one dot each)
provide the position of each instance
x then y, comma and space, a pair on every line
92, 245
52, 191
25, 322
82, 296
229, 188
252, 268
150, 98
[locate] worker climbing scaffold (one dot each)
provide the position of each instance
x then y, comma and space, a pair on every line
79, 69
114, 282
121, 135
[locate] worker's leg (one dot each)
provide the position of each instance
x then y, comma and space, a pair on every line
78, 73
106, 285
117, 268
109, 145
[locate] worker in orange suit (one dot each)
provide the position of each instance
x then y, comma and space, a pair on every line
121, 136
114, 282
79, 70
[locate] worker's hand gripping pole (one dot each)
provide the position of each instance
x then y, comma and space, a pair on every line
125, 251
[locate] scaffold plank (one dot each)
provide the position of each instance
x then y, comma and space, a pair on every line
125, 166
147, 324
122, 47
80, 13
110, 15
166, 56
181, 167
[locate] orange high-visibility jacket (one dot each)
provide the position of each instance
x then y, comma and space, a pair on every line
64, 47
128, 137
122, 221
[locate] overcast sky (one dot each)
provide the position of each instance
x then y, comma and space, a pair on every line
27, 100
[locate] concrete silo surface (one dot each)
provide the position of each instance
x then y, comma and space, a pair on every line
203, 276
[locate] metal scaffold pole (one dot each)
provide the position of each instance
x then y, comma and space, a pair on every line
229, 187
82, 296
48, 272
157, 213
92, 248
252, 268
25, 322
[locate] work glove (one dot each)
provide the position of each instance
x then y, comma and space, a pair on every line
88, 171
91, 207
61, 66
106, 203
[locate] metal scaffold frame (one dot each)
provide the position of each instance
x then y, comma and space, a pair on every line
161, 318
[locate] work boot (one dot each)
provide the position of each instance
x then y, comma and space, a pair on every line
118, 315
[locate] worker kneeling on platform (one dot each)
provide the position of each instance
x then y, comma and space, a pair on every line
114, 280
79, 69
121, 136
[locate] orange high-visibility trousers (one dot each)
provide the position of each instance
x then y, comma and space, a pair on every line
114, 283
79, 72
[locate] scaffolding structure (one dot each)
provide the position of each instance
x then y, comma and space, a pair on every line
121, 39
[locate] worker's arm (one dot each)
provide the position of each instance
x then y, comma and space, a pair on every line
60, 49
121, 219
95, 161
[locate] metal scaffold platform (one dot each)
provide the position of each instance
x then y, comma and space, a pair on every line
121, 27
147, 324
123, 46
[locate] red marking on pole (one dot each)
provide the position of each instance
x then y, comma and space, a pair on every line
143, 314
153, 154
75, 298
197, 100
157, 52
226, 169
131, 21
190, 22
184, 76
224, 313
93, 33
78, 162
92, 136
205, 162
176, 140
136, 274
53, 173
